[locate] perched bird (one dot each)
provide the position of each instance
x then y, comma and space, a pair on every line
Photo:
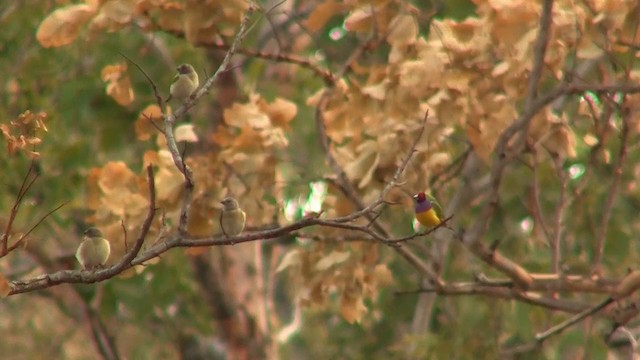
94, 250
184, 83
428, 211
232, 217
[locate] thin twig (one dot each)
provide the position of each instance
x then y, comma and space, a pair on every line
453, 168
170, 120
540, 282
611, 196
24, 188
156, 93
533, 104
535, 200
501, 292
558, 230
104, 342
124, 232
539, 52
273, 27
24, 236
88, 277
503, 158
541, 337
125, 262
443, 223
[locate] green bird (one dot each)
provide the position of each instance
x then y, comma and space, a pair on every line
94, 250
232, 218
184, 83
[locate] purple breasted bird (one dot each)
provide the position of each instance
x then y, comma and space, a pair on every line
428, 212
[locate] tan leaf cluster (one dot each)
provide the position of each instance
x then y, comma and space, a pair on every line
472, 74
364, 16
254, 136
373, 124
244, 167
121, 193
554, 133
113, 15
118, 83
209, 175
62, 26
263, 124
198, 20
204, 21
118, 197
21, 133
323, 270
374, 118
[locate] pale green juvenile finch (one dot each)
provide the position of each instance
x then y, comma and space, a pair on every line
232, 218
94, 250
184, 83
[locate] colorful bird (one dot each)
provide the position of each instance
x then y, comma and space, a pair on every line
232, 218
428, 211
94, 250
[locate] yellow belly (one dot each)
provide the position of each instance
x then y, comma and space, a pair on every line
428, 218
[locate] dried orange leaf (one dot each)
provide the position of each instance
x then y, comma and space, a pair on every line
115, 175
469, 37
19, 133
376, 91
363, 167
280, 111
359, 20
240, 115
352, 308
118, 83
148, 122
169, 181
334, 258
382, 274
61, 27
186, 132
113, 15
198, 20
322, 14
170, 17
403, 30
290, 259
561, 140
150, 158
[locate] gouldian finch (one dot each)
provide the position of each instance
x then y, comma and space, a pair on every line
428, 211
232, 218
184, 83
94, 250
